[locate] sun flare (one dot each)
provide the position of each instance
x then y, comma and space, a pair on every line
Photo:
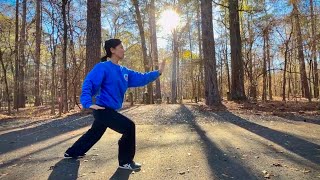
169, 19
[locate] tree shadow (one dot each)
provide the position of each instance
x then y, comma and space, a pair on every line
303, 148
222, 166
299, 118
65, 169
21, 138
122, 174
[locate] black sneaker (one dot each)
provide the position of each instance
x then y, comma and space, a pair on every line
131, 166
66, 155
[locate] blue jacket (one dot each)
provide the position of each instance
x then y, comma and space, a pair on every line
109, 82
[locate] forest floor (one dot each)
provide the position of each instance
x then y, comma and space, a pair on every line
273, 140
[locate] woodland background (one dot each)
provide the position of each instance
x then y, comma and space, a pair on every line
246, 50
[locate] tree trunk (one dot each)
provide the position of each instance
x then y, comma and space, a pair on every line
75, 71
22, 64
200, 76
6, 82
16, 61
303, 74
93, 43
154, 47
269, 64
174, 69
237, 76
64, 58
212, 95
53, 64
144, 49
285, 69
264, 68
252, 86
314, 52
37, 54
191, 58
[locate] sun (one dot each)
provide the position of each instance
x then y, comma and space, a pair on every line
169, 19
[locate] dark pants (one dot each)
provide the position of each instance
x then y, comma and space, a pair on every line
103, 119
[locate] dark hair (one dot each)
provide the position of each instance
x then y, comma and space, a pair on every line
108, 44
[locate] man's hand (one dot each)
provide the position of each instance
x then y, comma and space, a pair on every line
161, 66
96, 107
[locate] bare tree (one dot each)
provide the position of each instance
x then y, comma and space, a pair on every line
303, 74
22, 60
149, 99
154, 48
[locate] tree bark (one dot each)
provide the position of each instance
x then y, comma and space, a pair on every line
314, 52
16, 60
237, 76
64, 58
37, 53
200, 76
93, 43
212, 95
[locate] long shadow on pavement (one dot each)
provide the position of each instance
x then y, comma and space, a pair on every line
66, 169
17, 139
300, 118
222, 166
303, 148
21, 138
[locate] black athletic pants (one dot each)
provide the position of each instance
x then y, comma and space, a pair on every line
103, 119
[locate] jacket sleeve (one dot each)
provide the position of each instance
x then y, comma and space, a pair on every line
91, 85
136, 79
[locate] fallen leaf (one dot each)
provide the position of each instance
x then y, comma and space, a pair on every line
224, 175
267, 176
306, 171
277, 164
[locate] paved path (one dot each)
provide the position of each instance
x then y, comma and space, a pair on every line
173, 142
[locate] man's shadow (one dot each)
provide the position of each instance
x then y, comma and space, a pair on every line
65, 169
122, 174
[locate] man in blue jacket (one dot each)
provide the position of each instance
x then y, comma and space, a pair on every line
109, 81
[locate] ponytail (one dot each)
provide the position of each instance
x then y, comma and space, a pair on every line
104, 58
